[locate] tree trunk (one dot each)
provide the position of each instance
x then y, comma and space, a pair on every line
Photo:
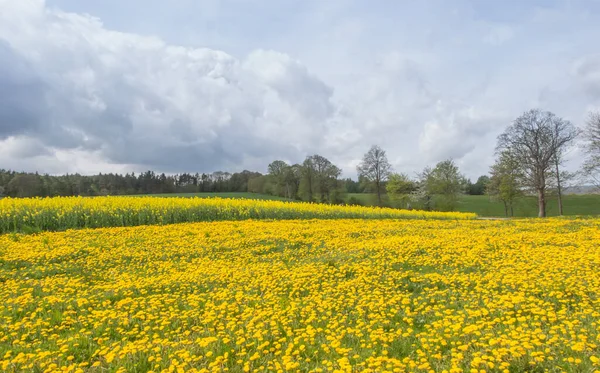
512, 213
378, 186
541, 203
559, 190
505, 208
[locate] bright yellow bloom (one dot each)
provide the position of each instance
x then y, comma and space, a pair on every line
304, 295
62, 213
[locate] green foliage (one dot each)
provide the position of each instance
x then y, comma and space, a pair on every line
355, 201
278, 173
479, 187
24, 185
257, 184
444, 182
505, 184
337, 196
318, 179
351, 186
399, 188
18, 184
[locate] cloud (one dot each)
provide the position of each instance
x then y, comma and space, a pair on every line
23, 95
136, 100
453, 134
86, 94
587, 73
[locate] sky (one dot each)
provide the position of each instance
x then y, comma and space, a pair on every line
204, 85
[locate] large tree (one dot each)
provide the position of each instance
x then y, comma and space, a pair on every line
375, 168
591, 166
534, 140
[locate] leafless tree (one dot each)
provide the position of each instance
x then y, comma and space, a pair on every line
536, 139
375, 168
591, 166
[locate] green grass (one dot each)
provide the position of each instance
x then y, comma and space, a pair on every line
588, 204
220, 195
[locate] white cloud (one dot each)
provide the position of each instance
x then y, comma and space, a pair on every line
455, 133
587, 73
136, 100
80, 96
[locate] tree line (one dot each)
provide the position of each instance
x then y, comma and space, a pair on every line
316, 179
530, 155
21, 184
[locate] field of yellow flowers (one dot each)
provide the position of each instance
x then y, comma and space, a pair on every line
61, 213
304, 295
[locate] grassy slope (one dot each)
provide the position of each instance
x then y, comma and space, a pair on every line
526, 207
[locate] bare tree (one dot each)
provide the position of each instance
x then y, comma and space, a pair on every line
591, 166
375, 168
562, 178
557, 161
535, 139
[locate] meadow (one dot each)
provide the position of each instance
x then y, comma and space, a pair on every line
60, 213
585, 204
304, 295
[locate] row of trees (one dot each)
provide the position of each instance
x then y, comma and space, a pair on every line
17, 184
434, 188
316, 179
529, 159
530, 155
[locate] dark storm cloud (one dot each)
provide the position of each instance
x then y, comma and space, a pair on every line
22, 95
